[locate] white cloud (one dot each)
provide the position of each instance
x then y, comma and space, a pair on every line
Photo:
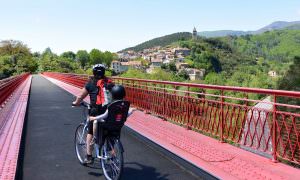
298, 12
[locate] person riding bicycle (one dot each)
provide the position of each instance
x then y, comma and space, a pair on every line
97, 87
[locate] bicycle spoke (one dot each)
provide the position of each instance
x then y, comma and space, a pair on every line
118, 169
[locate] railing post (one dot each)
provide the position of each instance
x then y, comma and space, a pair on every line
164, 101
222, 118
274, 131
189, 125
133, 90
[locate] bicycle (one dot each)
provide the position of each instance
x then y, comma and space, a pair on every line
107, 147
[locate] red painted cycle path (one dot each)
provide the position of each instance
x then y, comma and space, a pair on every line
219, 159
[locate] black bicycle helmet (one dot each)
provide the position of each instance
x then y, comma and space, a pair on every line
99, 70
118, 92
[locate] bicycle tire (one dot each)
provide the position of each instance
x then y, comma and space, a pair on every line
80, 143
119, 154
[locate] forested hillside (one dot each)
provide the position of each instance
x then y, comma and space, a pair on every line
245, 60
161, 41
239, 61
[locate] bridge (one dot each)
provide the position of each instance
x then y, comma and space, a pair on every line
180, 131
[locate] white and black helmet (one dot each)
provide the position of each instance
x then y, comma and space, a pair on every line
99, 70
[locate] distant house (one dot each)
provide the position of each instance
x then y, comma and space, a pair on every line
195, 74
156, 62
182, 51
180, 58
180, 66
120, 67
117, 67
272, 73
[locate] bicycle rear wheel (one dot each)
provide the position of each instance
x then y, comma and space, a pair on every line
80, 142
112, 162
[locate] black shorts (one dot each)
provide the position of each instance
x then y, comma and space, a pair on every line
95, 111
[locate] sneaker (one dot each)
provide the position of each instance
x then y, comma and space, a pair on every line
88, 160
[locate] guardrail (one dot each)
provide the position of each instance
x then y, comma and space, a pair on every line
8, 85
14, 92
251, 118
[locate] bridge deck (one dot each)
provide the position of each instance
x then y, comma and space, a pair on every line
220, 159
49, 150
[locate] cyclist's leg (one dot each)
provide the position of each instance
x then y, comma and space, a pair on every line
89, 146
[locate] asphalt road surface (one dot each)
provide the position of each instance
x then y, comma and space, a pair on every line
48, 151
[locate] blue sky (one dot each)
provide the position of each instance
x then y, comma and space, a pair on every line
113, 25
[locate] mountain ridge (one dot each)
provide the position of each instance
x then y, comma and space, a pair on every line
277, 25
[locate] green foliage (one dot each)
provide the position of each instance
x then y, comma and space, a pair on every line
83, 57
171, 67
161, 41
15, 58
98, 57
157, 74
108, 58
291, 81
135, 73
69, 55
6, 66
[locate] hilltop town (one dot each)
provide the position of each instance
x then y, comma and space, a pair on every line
157, 57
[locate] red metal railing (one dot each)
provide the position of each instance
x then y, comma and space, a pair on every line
236, 115
8, 85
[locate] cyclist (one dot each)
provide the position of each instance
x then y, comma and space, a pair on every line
97, 87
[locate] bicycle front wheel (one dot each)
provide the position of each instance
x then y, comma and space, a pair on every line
80, 142
112, 161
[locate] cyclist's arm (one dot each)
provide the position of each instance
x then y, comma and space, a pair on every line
79, 98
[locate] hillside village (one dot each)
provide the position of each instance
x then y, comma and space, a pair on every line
156, 57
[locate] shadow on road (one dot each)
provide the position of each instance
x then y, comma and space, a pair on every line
142, 172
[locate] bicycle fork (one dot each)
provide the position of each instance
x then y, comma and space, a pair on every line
98, 153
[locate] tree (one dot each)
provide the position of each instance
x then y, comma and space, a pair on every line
66, 65
12, 47
214, 79
69, 55
291, 82
83, 58
47, 61
15, 57
96, 57
6, 66
28, 64
48, 51
107, 58
135, 73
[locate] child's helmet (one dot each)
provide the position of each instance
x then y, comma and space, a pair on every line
118, 92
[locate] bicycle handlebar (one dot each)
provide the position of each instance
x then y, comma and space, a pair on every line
84, 104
